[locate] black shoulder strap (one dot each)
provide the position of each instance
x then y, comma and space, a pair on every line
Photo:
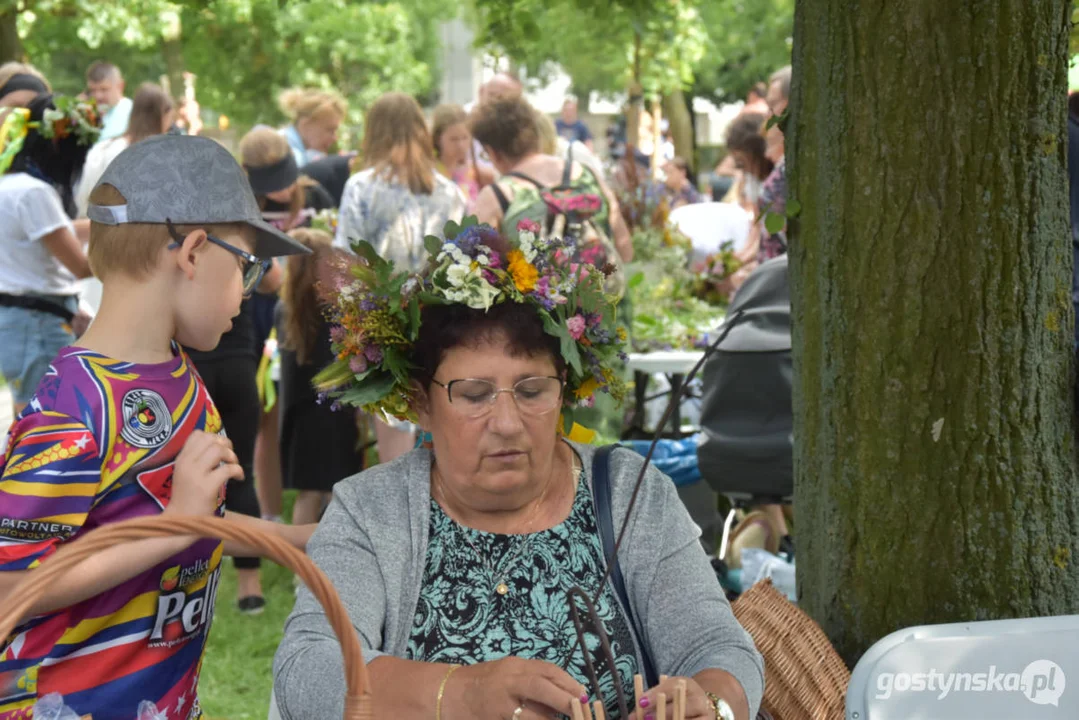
601, 489
503, 201
526, 178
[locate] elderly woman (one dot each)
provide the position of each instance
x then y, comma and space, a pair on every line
455, 561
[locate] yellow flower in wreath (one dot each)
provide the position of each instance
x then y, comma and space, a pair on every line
587, 389
524, 273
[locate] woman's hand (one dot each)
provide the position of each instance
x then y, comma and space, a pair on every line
494, 690
698, 705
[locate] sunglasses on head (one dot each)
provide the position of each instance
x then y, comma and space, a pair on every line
253, 268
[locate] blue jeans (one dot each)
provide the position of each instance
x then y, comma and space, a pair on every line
29, 340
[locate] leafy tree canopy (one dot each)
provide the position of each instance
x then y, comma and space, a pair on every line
244, 51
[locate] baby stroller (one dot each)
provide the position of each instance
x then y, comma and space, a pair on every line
745, 452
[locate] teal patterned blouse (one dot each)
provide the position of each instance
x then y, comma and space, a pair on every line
461, 619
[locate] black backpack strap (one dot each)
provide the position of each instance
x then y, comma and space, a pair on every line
601, 489
567, 171
503, 201
526, 178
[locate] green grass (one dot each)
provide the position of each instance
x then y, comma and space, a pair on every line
237, 669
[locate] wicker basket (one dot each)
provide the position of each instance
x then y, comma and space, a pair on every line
804, 677
358, 701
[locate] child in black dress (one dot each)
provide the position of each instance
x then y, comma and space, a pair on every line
319, 445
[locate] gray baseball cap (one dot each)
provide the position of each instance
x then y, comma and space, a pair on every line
187, 180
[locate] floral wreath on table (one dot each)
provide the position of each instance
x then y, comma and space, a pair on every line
71, 116
375, 308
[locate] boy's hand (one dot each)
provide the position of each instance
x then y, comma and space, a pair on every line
205, 464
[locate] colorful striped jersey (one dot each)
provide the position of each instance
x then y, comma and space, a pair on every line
95, 446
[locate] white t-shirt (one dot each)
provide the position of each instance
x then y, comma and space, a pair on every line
29, 210
100, 157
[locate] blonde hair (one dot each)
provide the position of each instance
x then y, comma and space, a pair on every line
299, 295
301, 103
548, 134
132, 249
10, 69
442, 119
265, 146
397, 144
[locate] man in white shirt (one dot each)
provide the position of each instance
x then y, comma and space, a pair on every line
105, 84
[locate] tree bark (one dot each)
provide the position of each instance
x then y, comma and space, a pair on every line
677, 114
932, 325
10, 45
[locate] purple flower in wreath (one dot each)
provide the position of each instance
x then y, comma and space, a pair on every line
477, 235
373, 353
357, 364
337, 334
542, 293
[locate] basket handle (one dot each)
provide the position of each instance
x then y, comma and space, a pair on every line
358, 700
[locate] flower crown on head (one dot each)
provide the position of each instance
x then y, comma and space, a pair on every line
375, 308
71, 116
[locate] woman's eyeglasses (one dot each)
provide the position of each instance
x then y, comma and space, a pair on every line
253, 268
533, 395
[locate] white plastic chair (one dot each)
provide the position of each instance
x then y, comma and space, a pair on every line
1001, 669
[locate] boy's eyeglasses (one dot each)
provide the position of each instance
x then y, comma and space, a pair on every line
475, 398
253, 268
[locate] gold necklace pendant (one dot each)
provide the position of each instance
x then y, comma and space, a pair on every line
502, 588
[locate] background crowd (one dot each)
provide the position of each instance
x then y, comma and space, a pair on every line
414, 170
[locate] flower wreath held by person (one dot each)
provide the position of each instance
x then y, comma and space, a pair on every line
455, 560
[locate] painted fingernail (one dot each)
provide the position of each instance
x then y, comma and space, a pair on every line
644, 702
649, 717
584, 697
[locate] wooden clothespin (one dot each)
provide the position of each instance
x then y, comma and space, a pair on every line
586, 710
575, 709
597, 709
680, 700
638, 693
663, 679
661, 705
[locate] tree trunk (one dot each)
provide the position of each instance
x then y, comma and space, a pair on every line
635, 98
935, 470
677, 114
173, 51
10, 44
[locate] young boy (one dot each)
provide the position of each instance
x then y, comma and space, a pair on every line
122, 427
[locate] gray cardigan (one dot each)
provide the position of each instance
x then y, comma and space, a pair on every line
372, 543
